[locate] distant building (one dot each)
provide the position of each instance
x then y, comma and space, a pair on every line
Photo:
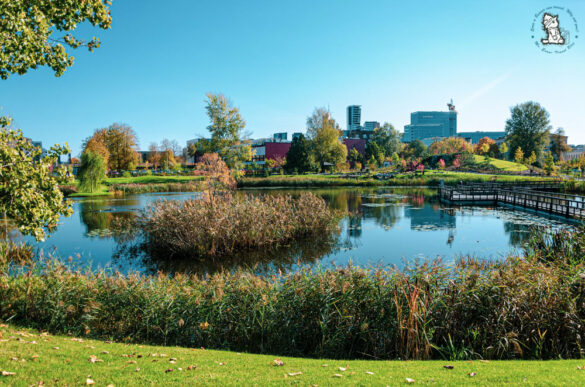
357, 143
474, 137
371, 125
354, 117
427, 125
296, 135
280, 136
265, 149
575, 153
358, 133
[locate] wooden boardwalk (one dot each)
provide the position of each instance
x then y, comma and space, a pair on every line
538, 196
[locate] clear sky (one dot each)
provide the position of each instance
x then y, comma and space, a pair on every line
278, 60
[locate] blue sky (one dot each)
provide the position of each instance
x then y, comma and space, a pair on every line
278, 60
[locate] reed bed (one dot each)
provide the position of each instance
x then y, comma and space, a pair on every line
510, 310
223, 223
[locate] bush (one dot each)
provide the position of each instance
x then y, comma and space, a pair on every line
68, 189
220, 224
19, 253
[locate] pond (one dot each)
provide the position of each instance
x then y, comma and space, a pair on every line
383, 226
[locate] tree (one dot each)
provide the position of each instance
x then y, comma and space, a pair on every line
218, 175
153, 155
324, 134
236, 155
558, 144
92, 171
530, 160
549, 163
519, 155
299, 158
483, 146
387, 138
27, 29
448, 146
122, 142
503, 149
529, 128
415, 149
29, 184
374, 151
98, 144
354, 157
226, 125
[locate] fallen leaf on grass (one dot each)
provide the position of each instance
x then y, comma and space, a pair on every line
222, 364
484, 361
337, 376
89, 382
295, 373
78, 340
6, 373
409, 380
137, 369
168, 370
369, 373
277, 362
94, 359
57, 348
448, 366
105, 352
342, 369
131, 362
191, 367
472, 374
324, 365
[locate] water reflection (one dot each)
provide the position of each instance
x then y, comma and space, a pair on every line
382, 226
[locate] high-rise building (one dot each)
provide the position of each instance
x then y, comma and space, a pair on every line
371, 125
431, 125
354, 117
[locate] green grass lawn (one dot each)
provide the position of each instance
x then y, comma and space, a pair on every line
101, 190
150, 179
503, 165
36, 357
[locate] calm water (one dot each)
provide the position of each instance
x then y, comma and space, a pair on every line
383, 226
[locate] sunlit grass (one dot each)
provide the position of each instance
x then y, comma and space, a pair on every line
36, 357
503, 165
151, 179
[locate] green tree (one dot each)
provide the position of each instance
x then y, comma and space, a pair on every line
530, 160
549, 163
92, 171
236, 155
29, 183
226, 125
387, 138
529, 128
519, 155
415, 149
503, 149
354, 157
35, 32
324, 134
374, 151
299, 158
558, 144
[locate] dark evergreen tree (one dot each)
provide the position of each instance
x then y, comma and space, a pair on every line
299, 158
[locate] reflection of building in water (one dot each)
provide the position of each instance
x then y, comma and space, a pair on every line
428, 219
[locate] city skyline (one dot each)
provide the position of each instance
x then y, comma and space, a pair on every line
277, 62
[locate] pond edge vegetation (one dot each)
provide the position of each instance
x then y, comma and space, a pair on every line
520, 308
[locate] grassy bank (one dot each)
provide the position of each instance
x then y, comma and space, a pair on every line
138, 184
502, 165
430, 178
64, 360
67, 360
